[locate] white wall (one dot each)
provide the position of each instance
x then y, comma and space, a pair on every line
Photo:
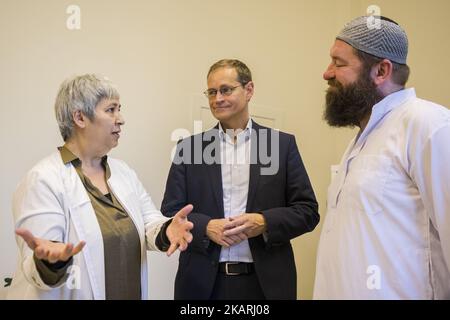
158, 52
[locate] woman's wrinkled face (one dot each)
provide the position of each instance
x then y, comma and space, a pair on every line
104, 130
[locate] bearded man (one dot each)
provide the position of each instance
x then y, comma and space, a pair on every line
386, 234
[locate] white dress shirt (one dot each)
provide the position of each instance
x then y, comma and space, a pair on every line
235, 167
386, 233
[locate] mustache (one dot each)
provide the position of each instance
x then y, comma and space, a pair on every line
334, 83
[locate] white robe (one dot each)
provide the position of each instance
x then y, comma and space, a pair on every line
386, 233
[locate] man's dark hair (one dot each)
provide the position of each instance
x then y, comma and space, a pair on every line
400, 72
244, 74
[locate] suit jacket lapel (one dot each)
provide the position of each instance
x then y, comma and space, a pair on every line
215, 172
215, 177
255, 166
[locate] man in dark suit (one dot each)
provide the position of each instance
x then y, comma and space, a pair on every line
251, 196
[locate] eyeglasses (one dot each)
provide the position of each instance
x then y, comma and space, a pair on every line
224, 91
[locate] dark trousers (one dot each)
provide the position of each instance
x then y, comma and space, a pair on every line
237, 287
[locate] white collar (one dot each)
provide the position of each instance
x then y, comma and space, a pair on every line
246, 132
385, 106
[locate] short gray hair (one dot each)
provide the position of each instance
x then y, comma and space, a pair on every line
81, 93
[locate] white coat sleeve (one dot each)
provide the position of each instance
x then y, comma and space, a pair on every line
37, 208
431, 172
153, 218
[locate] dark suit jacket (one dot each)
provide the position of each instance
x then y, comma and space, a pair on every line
286, 199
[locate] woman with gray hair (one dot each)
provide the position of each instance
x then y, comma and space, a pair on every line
83, 220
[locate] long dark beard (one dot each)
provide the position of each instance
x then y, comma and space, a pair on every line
347, 106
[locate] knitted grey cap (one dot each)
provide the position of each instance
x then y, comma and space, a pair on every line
382, 38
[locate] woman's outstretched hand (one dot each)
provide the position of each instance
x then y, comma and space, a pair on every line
48, 250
